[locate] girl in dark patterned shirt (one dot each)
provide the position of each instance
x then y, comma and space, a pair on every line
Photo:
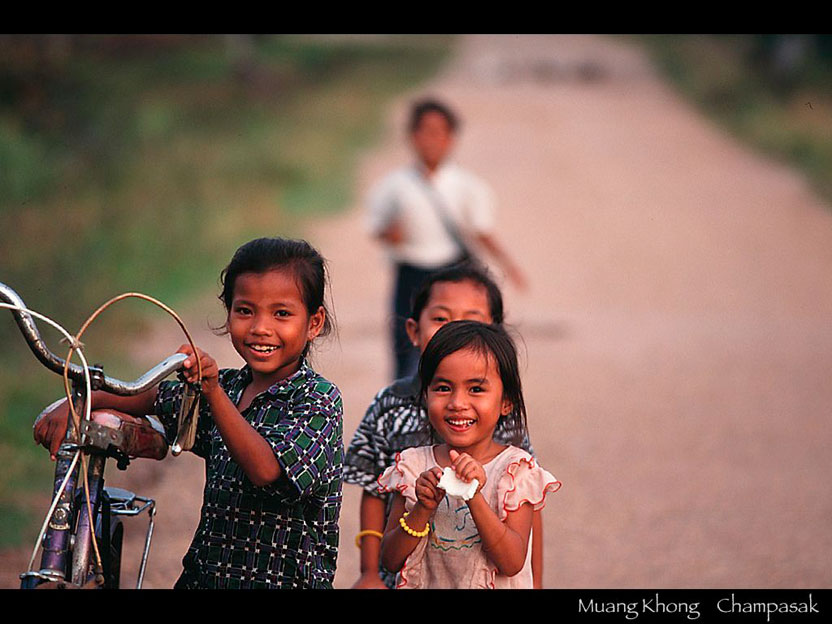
396, 419
270, 432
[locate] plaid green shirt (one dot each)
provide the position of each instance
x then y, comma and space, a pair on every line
284, 535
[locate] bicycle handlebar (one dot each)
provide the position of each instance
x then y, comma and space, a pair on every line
55, 363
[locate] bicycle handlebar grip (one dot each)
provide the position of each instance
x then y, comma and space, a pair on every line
30, 332
116, 386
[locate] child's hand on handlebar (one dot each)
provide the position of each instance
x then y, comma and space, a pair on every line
210, 369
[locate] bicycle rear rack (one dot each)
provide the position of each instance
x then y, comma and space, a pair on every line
122, 503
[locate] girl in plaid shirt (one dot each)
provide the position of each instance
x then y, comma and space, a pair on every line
270, 432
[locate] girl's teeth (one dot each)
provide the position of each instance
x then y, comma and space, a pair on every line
263, 349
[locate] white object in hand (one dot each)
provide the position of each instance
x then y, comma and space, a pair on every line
455, 486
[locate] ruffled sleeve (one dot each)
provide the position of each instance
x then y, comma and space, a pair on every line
401, 476
524, 481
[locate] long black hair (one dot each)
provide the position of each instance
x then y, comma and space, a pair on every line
486, 340
265, 254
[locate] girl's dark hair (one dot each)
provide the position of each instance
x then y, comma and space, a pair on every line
464, 271
485, 340
264, 254
428, 105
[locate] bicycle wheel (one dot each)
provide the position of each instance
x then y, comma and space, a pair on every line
111, 535
112, 567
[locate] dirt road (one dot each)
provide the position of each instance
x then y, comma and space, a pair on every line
677, 332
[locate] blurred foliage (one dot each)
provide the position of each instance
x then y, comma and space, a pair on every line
140, 162
772, 91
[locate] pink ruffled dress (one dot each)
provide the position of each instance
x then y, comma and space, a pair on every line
451, 556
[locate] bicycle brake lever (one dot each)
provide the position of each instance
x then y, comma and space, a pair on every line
188, 419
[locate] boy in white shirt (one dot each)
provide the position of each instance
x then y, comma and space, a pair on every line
426, 216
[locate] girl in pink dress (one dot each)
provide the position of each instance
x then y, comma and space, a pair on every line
463, 509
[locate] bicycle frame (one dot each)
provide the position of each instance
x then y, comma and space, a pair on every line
56, 542
80, 500
67, 557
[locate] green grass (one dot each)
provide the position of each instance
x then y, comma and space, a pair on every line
737, 81
140, 163
16, 526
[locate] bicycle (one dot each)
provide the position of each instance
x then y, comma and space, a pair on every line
82, 535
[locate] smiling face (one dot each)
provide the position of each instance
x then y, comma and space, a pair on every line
465, 401
449, 301
270, 325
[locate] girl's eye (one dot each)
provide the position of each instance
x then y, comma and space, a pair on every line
282, 313
242, 311
440, 388
440, 319
477, 389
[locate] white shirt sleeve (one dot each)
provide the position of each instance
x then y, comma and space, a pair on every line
382, 206
480, 206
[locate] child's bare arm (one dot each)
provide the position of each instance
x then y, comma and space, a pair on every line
372, 519
393, 233
50, 429
397, 543
247, 447
505, 543
496, 250
537, 550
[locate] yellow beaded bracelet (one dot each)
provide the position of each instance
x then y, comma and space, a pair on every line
410, 531
366, 532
